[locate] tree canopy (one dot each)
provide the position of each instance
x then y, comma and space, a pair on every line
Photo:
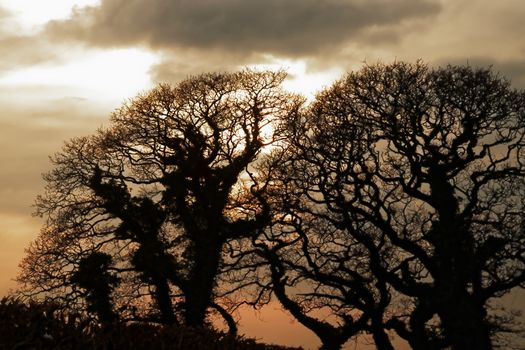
393, 203
404, 183
160, 190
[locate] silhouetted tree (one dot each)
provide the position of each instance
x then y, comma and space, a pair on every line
93, 276
318, 271
161, 191
423, 171
395, 202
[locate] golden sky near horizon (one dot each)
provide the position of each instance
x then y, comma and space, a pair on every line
66, 64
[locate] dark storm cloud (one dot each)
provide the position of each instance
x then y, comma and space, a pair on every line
284, 27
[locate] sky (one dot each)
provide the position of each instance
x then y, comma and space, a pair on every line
66, 64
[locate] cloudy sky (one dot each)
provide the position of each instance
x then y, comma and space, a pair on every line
66, 64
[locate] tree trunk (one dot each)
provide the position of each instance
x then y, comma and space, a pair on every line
330, 344
464, 324
163, 298
198, 296
462, 317
380, 337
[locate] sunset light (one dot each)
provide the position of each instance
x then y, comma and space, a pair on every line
262, 174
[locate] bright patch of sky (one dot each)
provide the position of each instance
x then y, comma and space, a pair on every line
110, 74
299, 79
30, 15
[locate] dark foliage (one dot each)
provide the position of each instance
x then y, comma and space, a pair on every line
45, 326
92, 275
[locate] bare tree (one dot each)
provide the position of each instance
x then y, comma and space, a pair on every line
395, 202
161, 190
321, 274
423, 172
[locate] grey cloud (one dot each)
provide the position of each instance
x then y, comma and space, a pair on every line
514, 70
291, 28
178, 66
19, 51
